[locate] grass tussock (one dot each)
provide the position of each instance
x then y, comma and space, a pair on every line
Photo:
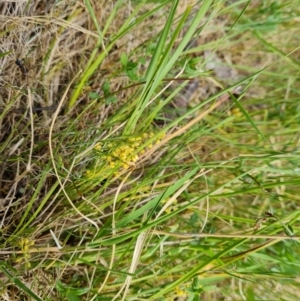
149, 150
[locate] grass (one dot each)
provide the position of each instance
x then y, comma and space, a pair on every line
149, 150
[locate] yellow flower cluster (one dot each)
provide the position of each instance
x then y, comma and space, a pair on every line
125, 153
236, 112
119, 154
172, 207
25, 244
180, 292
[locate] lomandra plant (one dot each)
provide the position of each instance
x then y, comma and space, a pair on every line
117, 183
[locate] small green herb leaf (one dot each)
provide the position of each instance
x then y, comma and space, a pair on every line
94, 95
124, 60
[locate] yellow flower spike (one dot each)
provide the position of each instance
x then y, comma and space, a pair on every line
180, 292
136, 144
124, 151
130, 150
28, 264
151, 134
123, 156
236, 112
169, 210
145, 135
98, 146
109, 158
112, 164
131, 156
126, 166
23, 243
